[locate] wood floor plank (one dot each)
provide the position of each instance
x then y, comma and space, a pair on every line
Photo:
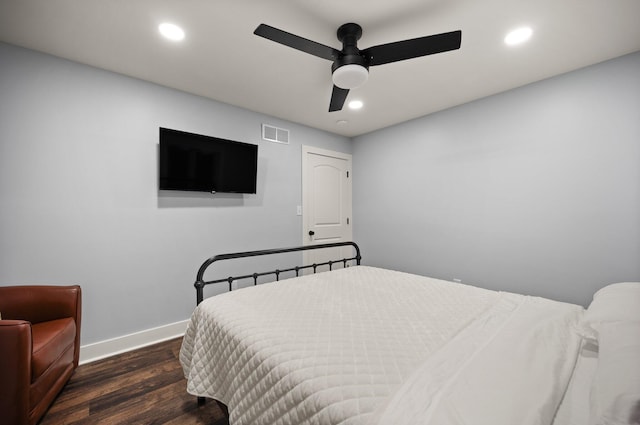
145, 386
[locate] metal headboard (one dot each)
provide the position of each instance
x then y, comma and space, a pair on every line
201, 283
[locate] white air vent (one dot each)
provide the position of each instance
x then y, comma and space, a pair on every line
275, 134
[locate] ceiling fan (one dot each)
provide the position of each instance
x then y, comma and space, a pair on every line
350, 67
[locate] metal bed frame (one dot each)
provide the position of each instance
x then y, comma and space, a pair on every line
201, 283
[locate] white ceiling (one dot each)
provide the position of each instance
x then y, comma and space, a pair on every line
221, 59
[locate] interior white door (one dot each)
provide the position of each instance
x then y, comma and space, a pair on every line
326, 203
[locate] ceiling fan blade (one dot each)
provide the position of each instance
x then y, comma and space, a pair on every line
338, 96
414, 48
296, 42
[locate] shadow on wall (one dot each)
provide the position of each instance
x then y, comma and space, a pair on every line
182, 199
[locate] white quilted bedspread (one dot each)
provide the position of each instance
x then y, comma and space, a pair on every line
342, 347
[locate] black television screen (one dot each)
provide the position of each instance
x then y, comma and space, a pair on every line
206, 164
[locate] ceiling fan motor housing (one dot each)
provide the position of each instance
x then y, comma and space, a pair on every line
351, 68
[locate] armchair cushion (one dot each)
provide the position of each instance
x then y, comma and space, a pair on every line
51, 341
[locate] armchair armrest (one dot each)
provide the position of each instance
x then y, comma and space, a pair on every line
15, 369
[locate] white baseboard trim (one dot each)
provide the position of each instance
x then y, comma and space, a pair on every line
110, 347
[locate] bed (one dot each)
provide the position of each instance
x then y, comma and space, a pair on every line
362, 345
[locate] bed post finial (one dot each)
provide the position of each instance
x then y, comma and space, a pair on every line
199, 285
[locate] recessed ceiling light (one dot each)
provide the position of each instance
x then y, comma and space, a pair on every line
171, 31
518, 36
356, 104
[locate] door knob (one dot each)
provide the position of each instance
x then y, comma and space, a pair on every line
311, 233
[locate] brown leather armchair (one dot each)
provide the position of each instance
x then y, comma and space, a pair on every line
39, 348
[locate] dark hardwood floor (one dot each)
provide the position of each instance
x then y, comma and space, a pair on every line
145, 386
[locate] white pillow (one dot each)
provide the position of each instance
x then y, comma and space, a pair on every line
615, 392
619, 302
613, 319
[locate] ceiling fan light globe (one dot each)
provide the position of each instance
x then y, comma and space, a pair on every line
350, 76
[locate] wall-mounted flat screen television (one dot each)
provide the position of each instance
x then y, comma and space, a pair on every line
206, 164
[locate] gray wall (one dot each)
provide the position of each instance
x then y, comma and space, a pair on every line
79, 199
536, 190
